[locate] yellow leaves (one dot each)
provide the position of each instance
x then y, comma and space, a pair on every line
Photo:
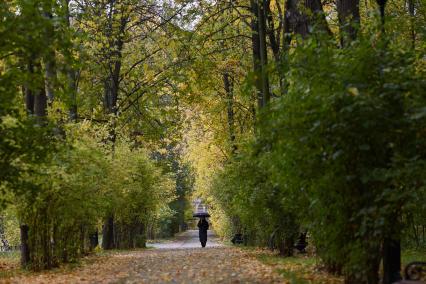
9, 121
300, 268
353, 91
230, 64
148, 72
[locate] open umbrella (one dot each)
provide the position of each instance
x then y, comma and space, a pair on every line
201, 214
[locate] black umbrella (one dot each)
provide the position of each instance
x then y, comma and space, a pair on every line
201, 214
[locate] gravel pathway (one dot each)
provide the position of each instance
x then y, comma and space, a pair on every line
175, 262
188, 239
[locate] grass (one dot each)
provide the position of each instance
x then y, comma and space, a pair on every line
9, 264
9, 255
413, 255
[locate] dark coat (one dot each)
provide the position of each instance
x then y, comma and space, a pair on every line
203, 226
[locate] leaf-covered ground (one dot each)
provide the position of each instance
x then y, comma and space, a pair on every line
299, 269
181, 260
195, 265
9, 264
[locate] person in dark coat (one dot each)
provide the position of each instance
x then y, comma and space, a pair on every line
203, 226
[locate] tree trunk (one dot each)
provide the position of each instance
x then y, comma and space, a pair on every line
229, 90
35, 94
295, 20
108, 234
303, 22
285, 246
411, 10
382, 6
274, 40
28, 92
71, 74
113, 81
256, 52
29, 100
25, 248
49, 58
47, 249
391, 261
315, 17
56, 245
261, 9
374, 265
349, 20
40, 104
111, 91
82, 240
141, 236
64, 250
94, 240
50, 73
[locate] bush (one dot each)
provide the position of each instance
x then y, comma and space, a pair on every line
341, 154
70, 183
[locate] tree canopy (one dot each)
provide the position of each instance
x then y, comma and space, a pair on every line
286, 117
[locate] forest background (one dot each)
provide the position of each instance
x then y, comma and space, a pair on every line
286, 117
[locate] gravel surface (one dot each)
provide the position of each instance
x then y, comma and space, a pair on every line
181, 261
188, 239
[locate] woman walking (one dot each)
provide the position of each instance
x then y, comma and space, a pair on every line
203, 226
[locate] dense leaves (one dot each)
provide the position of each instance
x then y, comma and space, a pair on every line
340, 155
288, 117
61, 176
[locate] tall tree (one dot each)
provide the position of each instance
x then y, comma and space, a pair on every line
229, 91
71, 72
263, 52
349, 20
49, 58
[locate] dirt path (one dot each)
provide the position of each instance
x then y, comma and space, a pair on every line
188, 239
181, 261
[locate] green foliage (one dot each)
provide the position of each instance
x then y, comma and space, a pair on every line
77, 184
342, 153
174, 220
356, 139
340, 150
144, 192
63, 179
11, 227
